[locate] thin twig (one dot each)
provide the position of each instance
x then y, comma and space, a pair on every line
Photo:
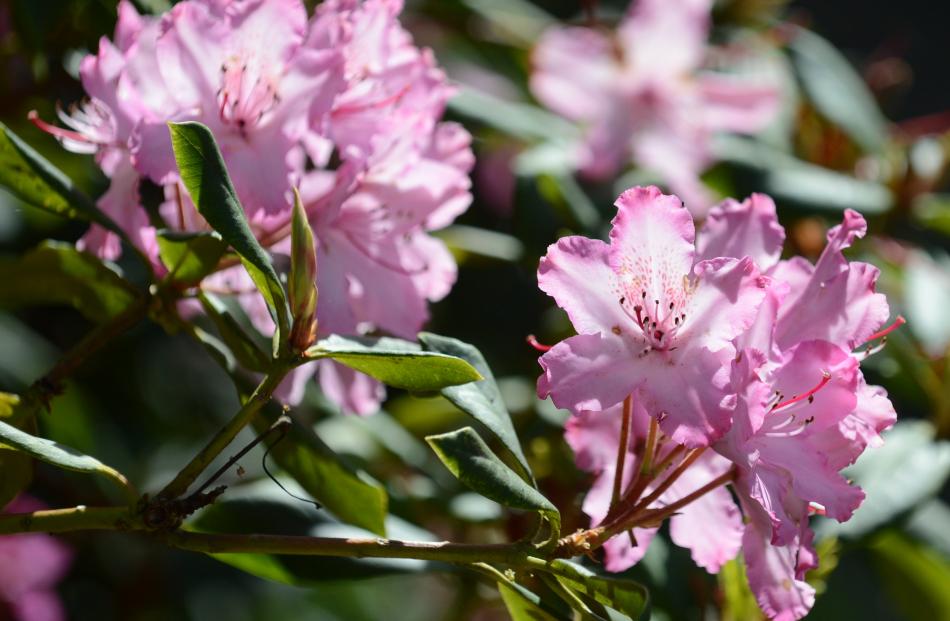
625, 424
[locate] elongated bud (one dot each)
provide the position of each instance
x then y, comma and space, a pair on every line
303, 279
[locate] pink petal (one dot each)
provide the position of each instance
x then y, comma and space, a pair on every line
576, 272
749, 228
776, 573
589, 372
837, 302
688, 393
621, 555
575, 70
711, 526
725, 303
651, 244
349, 389
873, 414
737, 104
651, 26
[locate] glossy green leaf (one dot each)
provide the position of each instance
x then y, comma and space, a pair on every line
16, 467
467, 456
55, 273
837, 90
911, 467
622, 595
793, 182
524, 605
323, 475
190, 257
395, 362
481, 399
35, 180
242, 345
206, 178
59, 455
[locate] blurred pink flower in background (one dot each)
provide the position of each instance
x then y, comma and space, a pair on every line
643, 97
30, 566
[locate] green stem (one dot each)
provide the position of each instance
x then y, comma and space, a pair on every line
71, 519
457, 553
258, 399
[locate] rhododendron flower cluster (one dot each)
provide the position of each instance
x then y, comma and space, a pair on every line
342, 105
30, 566
711, 361
642, 95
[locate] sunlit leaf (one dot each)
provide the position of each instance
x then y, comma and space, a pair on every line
397, 363
190, 257
481, 399
622, 595
206, 178
467, 456
57, 454
523, 605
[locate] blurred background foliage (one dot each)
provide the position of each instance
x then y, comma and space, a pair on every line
866, 125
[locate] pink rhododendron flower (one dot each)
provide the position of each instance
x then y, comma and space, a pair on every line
30, 566
642, 97
794, 406
649, 317
344, 105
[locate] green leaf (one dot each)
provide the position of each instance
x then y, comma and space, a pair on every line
467, 456
910, 468
206, 178
915, 576
35, 180
523, 605
321, 472
60, 455
481, 399
625, 596
57, 273
16, 468
837, 90
396, 362
793, 182
241, 344
190, 257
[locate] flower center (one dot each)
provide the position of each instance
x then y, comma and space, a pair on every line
659, 317
242, 99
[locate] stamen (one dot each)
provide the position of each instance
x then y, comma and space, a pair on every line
533, 342
882, 333
825, 378
58, 132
